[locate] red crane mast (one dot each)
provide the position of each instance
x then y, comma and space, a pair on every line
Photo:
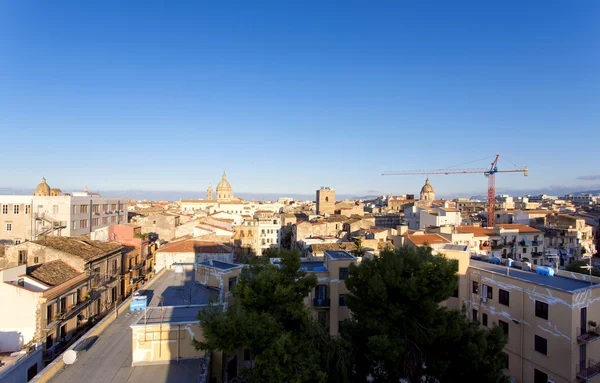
489, 173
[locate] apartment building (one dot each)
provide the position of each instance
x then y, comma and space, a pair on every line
327, 302
520, 242
49, 303
49, 212
551, 321
101, 261
569, 235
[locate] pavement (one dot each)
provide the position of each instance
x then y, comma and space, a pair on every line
107, 357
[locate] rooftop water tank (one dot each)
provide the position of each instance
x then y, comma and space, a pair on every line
543, 270
494, 260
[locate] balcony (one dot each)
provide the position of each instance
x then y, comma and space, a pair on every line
536, 254
589, 371
321, 302
497, 246
591, 334
104, 279
535, 242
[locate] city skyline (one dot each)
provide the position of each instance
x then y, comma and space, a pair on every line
288, 98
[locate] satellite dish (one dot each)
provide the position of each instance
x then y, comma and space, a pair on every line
69, 357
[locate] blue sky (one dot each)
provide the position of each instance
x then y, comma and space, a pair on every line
289, 96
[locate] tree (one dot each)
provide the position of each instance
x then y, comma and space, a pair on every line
272, 321
399, 330
581, 267
359, 251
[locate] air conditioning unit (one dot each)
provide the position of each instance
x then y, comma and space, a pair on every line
483, 299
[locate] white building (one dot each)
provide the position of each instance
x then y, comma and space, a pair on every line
50, 212
418, 217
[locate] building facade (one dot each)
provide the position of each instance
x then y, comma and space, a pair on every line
50, 213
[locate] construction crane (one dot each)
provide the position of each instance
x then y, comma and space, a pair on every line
490, 174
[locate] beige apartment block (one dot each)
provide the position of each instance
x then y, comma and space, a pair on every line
551, 321
49, 212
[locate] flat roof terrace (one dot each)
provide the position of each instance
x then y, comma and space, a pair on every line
556, 281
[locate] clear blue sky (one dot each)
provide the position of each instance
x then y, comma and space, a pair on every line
289, 96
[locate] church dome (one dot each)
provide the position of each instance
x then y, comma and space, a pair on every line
427, 188
224, 184
43, 189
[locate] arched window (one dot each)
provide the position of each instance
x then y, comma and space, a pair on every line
326, 199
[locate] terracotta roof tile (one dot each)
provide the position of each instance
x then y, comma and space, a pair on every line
195, 246
430, 239
477, 231
52, 273
82, 247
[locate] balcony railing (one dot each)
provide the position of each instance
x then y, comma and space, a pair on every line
587, 371
497, 246
536, 243
104, 279
536, 254
321, 302
589, 335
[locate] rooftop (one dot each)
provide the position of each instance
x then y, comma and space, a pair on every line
429, 239
52, 273
556, 282
519, 227
220, 265
195, 246
170, 314
456, 247
339, 254
82, 247
477, 231
313, 266
178, 289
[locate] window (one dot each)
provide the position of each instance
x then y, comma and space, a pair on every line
113, 206
539, 377
74, 209
484, 319
455, 293
9, 227
36, 259
22, 257
27, 209
17, 241
488, 292
4, 209
104, 220
49, 341
474, 315
505, 357
113, 219
55, 209
96, 222
503, 297
342, 300
63, 331
343, 273
232, 282
15, 209
83, 223
541, 345
322, 318
541, 310
83, 209
96, 208
475, 288
74, 225
504, 326
524, 250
